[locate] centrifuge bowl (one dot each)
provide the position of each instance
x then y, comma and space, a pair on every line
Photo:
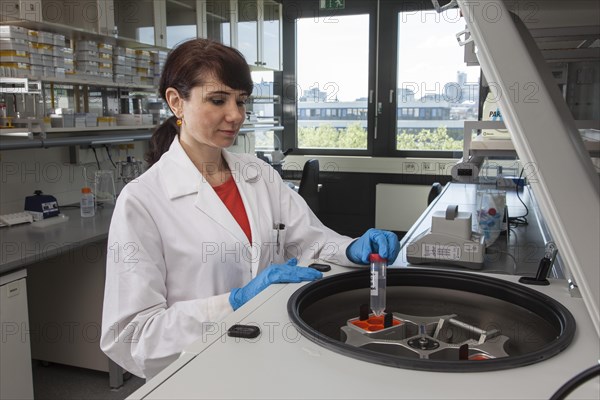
531, 326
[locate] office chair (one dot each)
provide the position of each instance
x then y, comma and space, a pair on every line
436, 189
309, 184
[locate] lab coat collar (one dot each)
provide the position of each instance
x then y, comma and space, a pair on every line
181, 177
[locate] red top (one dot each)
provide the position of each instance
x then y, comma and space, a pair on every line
230, 196
375, 257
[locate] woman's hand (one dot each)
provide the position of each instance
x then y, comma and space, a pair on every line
385, 243
289, 272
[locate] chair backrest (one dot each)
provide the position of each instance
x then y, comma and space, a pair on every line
436, 189
309, 184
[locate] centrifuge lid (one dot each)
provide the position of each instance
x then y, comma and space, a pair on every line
539, 129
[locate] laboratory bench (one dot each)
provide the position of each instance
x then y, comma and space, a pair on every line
64, 268
283, 363
517, 251
23, 245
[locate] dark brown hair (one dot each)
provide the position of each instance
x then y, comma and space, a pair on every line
186, 67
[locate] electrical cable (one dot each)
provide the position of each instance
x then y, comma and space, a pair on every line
109, 156
521, 219
575, 382
96, 156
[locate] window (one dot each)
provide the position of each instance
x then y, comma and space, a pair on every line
326, 47
433, 78
406, 95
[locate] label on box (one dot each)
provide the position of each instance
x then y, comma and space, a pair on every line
441, 251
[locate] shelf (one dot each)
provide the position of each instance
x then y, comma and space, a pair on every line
275, 99
489, 147
261, 122
39, 143
247, 129
75, 81
182, 6
73, 33
485, 147
129, 134
82, 129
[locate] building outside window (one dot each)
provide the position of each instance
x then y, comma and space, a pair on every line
432, 94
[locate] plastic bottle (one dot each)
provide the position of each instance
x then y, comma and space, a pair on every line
378, 283
86, 203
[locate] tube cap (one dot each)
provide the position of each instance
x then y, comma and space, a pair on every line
86, 190
374, 257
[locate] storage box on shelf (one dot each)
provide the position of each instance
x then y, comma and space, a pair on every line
75, 70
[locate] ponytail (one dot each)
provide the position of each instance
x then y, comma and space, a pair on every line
161, 140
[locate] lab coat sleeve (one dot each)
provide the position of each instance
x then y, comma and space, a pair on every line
140, 331
307, 238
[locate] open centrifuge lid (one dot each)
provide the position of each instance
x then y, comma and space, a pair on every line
541, 126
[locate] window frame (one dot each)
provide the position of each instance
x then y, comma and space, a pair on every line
382, 21
388, 79
307, 9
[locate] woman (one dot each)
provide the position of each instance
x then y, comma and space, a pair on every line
203, 230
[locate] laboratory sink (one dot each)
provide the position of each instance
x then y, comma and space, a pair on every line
442, 320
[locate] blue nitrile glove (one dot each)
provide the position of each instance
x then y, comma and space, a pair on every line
274, 273
374, 241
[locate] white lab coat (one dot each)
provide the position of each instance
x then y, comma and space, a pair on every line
175, 252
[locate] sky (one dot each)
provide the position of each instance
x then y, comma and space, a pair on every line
333, 53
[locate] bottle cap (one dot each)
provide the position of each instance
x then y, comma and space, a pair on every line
375, 257
86, 190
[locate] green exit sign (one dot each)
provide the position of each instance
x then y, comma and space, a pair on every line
333, 4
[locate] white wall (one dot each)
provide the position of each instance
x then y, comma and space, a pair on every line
24, 171
397, 207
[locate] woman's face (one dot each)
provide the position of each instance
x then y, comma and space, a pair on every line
213, 114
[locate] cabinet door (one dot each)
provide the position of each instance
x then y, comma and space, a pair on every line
247, 30
182, 21
139, 20
271, 36
218, 21
15, 363
30, 10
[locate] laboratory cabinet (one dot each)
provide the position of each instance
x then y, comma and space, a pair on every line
62, 74
132, 20
251, 26
259, 33
16, 380
70, 67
